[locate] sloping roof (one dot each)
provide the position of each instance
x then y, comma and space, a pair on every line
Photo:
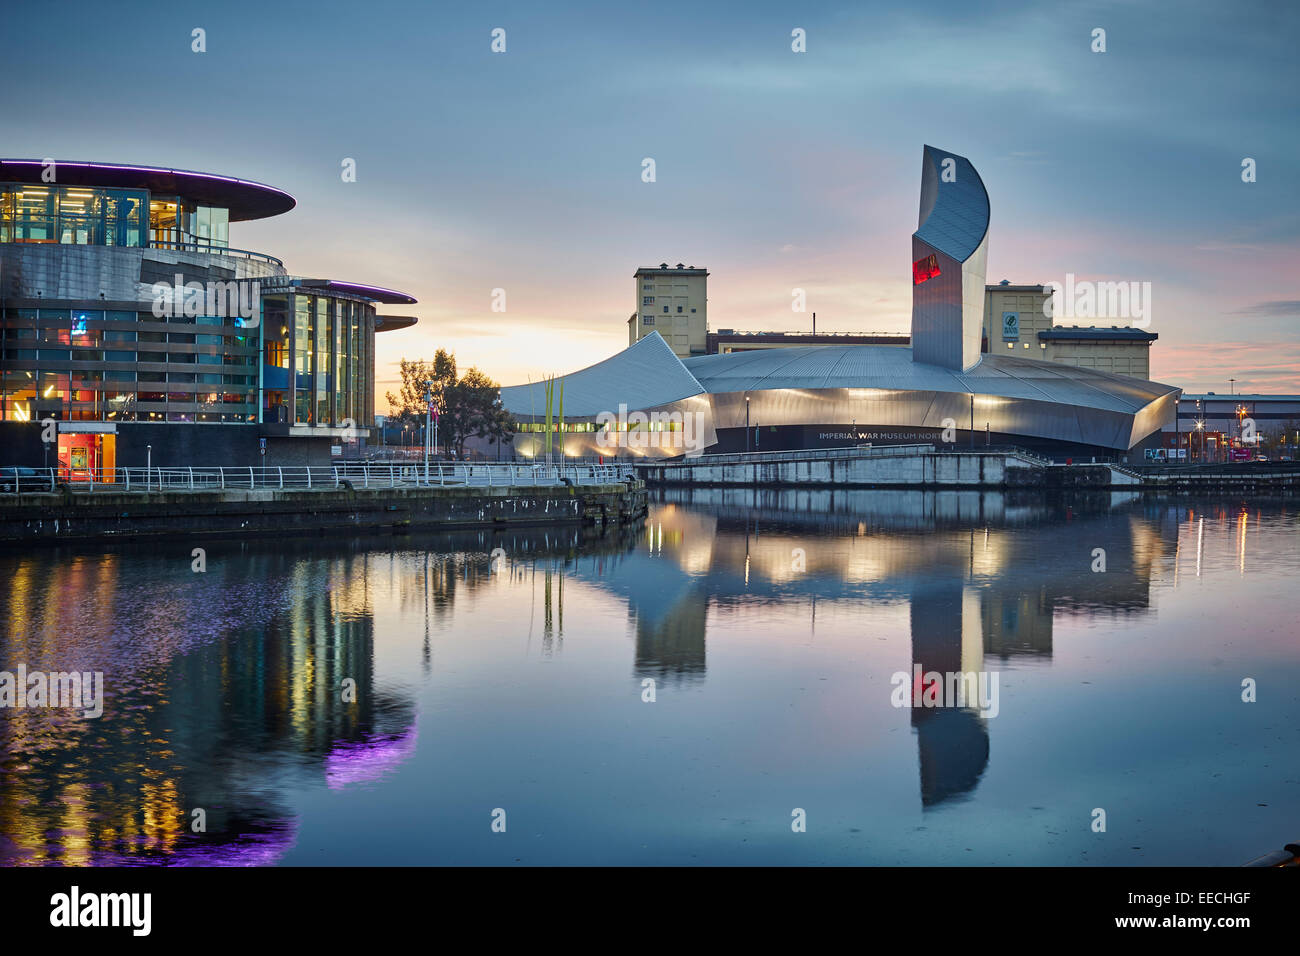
891, 367
955, 214
644, 375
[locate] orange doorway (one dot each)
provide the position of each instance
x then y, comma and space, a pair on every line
83, 457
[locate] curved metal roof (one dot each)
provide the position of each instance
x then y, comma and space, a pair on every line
373, 292
954, 215
391, 323
644, 375
892, 368
244, 198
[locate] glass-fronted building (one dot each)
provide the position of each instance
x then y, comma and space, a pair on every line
128, 320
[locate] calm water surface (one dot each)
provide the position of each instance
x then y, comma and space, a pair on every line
771, 625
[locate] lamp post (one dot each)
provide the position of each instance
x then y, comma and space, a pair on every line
428, 419
746, 423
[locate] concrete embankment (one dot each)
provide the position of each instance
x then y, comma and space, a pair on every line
908, 467
920, 466
72, 515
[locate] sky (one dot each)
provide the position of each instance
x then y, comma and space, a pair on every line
776, 170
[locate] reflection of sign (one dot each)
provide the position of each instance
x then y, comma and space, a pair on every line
1010, 326
924, 269
79, 458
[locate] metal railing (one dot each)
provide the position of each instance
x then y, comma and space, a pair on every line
354, 475
205, 245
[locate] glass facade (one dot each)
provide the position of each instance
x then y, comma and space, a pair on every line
82, 215
328, 350
97, 365
73, 215
302, 360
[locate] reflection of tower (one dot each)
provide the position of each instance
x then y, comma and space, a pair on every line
953, 743
672, 646
552, 610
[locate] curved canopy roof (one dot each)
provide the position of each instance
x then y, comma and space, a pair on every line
244, 198
644, 375
891, 367
391, 323
955, 214
373, 292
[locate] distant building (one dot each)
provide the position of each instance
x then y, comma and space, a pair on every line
1209, 427
1016, 323
674, 303
730, 340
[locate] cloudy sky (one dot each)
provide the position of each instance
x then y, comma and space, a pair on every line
775, 170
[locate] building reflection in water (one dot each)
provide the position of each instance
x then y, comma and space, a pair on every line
986, 576
205, 710
225, 688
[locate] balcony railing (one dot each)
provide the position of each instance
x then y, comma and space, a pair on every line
197, 244
355, 475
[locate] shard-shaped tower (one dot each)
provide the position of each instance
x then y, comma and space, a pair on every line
949, 251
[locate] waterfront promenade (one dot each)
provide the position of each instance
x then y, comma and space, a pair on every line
40, 505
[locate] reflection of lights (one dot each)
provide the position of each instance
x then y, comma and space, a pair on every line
1200, 544
1241, 542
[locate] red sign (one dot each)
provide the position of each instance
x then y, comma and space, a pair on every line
924, 269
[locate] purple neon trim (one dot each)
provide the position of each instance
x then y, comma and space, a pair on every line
148, 169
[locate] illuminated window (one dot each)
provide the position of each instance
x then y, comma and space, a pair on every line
925, 269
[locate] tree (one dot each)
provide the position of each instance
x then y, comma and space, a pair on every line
410, 405
466, 407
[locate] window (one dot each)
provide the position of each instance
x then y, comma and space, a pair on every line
647, 300
665, 310
692, 310
648, 320
679, 308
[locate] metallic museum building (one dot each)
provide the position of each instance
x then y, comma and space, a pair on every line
131, 330
646, 401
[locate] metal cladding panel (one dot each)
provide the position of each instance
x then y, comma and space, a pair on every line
644, 375
972, 304
954, 215
948, 309
883, 386
937, 310
1154, 416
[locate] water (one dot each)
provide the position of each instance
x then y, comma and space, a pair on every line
771, 625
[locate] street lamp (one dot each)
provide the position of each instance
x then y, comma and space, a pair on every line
746, 423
